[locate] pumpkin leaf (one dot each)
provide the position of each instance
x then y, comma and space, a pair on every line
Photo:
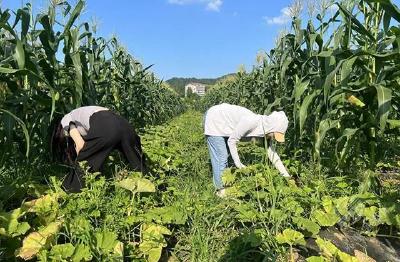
290, 237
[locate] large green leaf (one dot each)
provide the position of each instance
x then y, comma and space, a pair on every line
166, 215
307, 224
25, 15
346, 136
347, 68
332, 252
304, 108
82, 253
329, 80
390, 8
384, 96
20, 54
355, 23
74, 15
106, 241
62, 252
9, 224
137, 184
324, 126
299, 89
6, 70
24, 129
76, 59
153, 241
36, 241
325, 219
290, 237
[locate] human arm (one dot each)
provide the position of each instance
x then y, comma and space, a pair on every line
276, 161
244, 126
76, 136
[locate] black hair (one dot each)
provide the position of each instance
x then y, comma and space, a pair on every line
62, 147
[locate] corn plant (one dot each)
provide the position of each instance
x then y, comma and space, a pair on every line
51, 64
337, 78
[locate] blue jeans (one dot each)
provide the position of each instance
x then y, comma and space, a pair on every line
219, 158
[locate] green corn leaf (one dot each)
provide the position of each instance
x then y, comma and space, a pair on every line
384, 96
347, 68
390, 8
5, 70
4, 16
347, 135
285, 67
20, 54
9, 29
25, 15
303, 113
324, 126
74, 15
299, 89
329, 80
76, 59
24, 129
356, 24
386, 21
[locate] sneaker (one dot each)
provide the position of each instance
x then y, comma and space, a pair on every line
221, 193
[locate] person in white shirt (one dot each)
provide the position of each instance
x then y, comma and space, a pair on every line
225, 125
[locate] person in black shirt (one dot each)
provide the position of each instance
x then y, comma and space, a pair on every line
90, 134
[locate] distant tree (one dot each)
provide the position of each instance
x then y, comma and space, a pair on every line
179, 83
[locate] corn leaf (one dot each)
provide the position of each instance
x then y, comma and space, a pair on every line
384, 96
24, 129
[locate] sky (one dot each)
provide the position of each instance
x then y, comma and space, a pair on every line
188, 38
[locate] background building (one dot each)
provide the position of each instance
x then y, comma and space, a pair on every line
195, 88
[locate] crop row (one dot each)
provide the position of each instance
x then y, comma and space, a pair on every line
337, 78
51, 63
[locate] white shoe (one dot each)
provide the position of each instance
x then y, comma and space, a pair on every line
221, 193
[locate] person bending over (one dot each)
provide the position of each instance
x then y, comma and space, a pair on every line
225, 125
91, 133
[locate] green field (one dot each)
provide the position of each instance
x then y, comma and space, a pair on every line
337, 78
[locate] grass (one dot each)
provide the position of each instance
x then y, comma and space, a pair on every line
209, 225
203, 227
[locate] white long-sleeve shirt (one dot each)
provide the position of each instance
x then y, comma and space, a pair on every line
236, 122
80, 117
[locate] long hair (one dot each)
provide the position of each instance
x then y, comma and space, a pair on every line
62, 147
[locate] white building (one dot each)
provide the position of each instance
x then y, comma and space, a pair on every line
195, 88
